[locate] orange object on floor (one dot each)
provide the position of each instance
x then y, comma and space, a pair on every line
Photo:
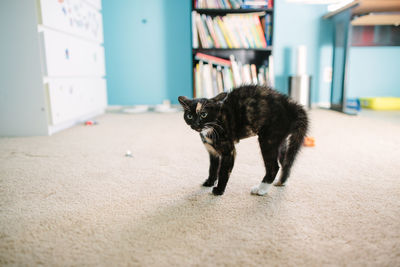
309, 141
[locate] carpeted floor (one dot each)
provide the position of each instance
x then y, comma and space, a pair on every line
75, 199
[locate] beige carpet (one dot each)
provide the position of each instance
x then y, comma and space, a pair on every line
74, 199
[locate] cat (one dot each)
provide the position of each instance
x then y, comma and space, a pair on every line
280, 123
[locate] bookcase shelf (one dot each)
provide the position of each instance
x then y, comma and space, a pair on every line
216, 11
258, 57
267, 49
227, 39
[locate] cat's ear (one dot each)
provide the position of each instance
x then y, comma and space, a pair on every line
221, 97
185, 102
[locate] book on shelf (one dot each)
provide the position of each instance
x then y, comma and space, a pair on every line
254, 4
207, 82
195, 39
220, 35
259, 31
267, 22
200, 31
232, 4
242, 30
218, 4
212, 59
237, 78
224, 31
210, 26
212, 78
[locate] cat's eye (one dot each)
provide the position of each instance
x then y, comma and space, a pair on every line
189, 116
204, 114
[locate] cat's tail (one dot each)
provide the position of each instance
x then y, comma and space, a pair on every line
291, 147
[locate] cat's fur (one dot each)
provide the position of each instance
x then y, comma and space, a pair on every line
280, 123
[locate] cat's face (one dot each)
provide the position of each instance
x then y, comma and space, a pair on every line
200, 112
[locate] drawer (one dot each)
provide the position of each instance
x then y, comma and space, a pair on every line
72, 16
65, 55
70, 99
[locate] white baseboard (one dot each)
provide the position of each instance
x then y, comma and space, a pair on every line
321, 105
62, 126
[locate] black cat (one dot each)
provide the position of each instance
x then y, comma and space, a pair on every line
280, 123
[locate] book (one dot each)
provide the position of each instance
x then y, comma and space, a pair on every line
261, 76
237, 26
201, 32
253, 74
195, 38
230, 32
253, 4
230, 73
211, 29
214, 81
246, 74
207, 79
268, 29
212, 59
227, 4
260, 33
247, 31
218, 4
220, 85
220, 36
235, 4
224, 31
198, 79
226, 76
237, 80
252, 30
271, 71
206, 30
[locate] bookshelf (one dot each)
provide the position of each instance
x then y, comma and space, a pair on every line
238, 31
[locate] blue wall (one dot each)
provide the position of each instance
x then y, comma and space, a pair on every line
374, 71
148, 53
299, 24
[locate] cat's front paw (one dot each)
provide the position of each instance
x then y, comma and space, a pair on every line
209, 183
217, 192
260, 189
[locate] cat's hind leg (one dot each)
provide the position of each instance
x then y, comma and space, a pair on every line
269, 150
294, 143
281, 160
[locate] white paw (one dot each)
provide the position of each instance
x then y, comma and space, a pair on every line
260, 189
254, 190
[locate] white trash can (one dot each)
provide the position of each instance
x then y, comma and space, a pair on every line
300, 89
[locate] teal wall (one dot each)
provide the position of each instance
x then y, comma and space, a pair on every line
147, 48
148, 52
295, 25
374, 71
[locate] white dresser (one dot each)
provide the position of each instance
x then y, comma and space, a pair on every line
54, 65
